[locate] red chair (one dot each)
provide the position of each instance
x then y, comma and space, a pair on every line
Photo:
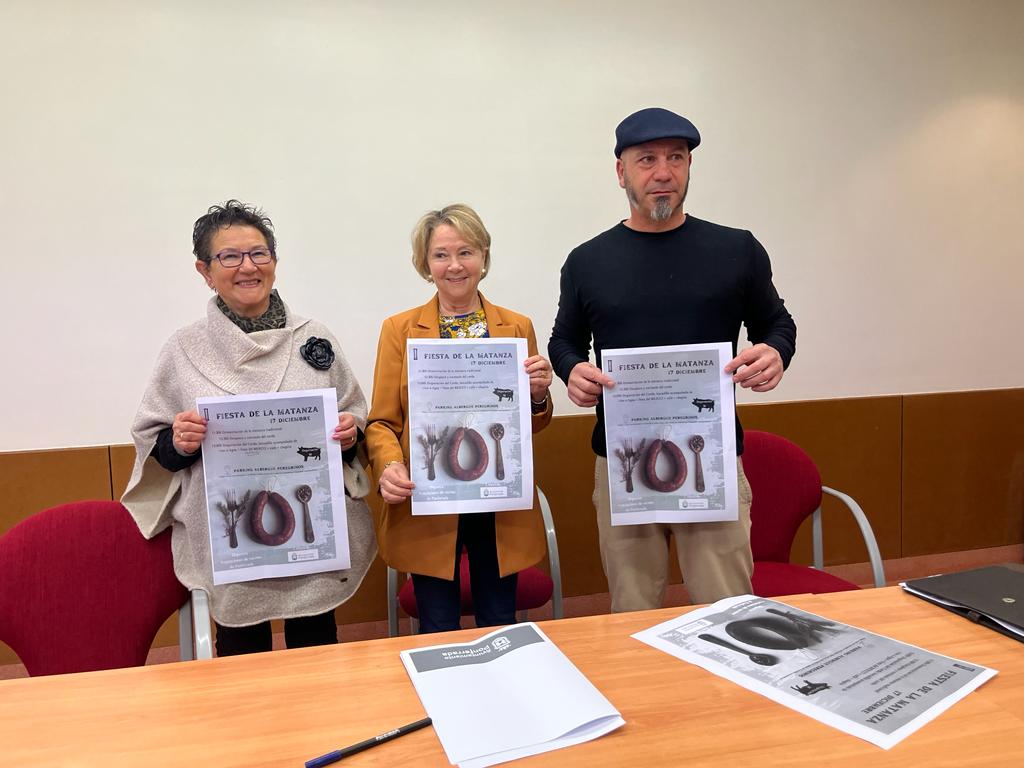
534, 587
787, 490
83, 590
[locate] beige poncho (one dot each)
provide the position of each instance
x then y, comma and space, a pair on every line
214, 357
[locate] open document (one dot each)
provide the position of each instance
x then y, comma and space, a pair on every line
510, 694
275, 494
670, 430
864, 684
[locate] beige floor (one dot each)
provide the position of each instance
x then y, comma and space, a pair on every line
589, 605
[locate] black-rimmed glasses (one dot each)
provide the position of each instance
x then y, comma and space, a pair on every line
233, 259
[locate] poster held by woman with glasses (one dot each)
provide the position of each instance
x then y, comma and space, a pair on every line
249, 341
451, 250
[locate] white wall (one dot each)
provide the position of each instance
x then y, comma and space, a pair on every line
874, 147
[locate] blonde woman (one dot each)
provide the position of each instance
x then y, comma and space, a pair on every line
451, 251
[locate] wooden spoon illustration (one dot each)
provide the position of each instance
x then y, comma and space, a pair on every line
498, 432
304, 493
697, 445
764, 659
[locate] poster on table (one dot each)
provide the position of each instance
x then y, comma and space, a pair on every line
670, 433
867, 685
470, 434
275, 495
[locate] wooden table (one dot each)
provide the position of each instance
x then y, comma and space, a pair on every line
286, 707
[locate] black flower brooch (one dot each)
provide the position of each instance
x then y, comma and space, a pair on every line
318, 353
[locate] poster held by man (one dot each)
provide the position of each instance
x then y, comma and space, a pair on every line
668, 430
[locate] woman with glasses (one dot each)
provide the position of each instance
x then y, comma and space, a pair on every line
249, 342
451, 250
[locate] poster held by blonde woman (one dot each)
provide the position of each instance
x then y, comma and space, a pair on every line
471, 430
249, 341
451, 250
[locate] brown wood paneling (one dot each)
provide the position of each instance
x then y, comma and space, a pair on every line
564, 469
7, 656
168, 633
31, 481
122, 460
963, 459
856, 444
369, 603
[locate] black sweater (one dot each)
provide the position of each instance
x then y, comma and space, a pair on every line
694, 284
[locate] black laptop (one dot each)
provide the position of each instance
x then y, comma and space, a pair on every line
992, 596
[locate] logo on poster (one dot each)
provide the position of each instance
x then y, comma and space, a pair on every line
693, 503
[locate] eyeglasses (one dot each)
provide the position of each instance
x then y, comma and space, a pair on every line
234, 259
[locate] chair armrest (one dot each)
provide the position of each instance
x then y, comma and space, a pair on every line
201, 624
392, 602
874, 555
186, 651
553, 560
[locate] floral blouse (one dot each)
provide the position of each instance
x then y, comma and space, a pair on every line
471, 326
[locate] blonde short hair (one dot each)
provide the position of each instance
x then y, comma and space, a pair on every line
463, 220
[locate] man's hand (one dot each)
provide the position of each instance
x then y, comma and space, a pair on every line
758, 368
395, 485
585, 384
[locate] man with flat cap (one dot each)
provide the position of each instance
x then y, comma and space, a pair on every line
664, 277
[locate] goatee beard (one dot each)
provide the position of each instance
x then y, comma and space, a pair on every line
662, 210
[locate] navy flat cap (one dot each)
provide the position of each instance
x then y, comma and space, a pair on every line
654, 123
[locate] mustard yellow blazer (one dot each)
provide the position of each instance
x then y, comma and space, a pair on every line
425, 544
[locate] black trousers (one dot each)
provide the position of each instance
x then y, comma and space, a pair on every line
302, 632
494, 598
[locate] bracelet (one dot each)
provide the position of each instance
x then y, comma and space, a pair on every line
539, 406
393, 461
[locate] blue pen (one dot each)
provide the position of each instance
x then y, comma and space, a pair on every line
338, 754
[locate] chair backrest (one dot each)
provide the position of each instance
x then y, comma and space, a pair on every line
533, 588
81, 589
787, 490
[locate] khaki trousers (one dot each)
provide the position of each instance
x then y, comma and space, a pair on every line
714, 558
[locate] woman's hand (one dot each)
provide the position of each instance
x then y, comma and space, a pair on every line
395, 485
539, 371
346, 432
189, 430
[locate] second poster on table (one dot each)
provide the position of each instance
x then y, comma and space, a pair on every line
470, 435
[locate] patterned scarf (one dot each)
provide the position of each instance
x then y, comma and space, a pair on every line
471, 326
273, 318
